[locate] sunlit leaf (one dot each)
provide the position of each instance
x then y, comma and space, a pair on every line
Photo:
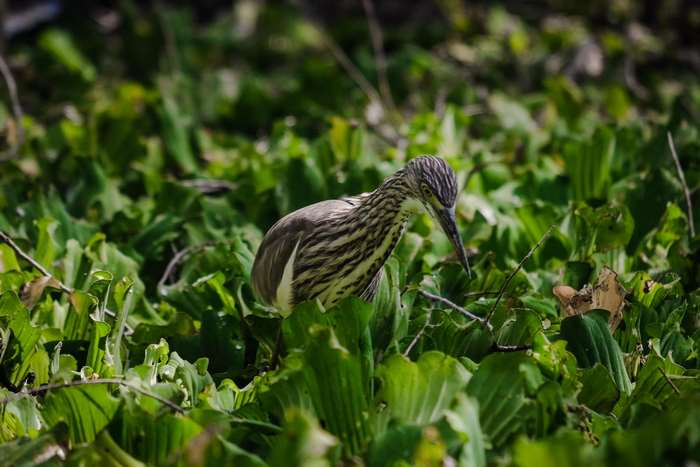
86, 410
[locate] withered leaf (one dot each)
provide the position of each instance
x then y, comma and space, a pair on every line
608, 294
33, 290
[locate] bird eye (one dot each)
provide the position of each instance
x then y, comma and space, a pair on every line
427, 191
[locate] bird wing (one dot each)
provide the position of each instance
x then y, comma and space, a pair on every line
281, 240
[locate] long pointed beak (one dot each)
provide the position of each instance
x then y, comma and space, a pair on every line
447, 220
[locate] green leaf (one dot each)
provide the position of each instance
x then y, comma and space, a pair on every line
19, 417
458, 337
588, 165
599, 391
303, 442
244, 257
59, 44
520, 329
86, 410
304, 185
608, 227
194, 378
589, 339
76, 325
420, 393
96, 350
25, 336
176, 131
566, 449
350, 322
154, 440
23, 452
395, 445
125, 299
390, 319
8, 260
216, 282
286, 388
345, 140
46, 244
463, 418
502, 385
657, 383
337, 386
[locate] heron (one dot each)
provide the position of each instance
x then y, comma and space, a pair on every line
337, 248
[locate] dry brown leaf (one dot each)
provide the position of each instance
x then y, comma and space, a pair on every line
32, 290
607, 294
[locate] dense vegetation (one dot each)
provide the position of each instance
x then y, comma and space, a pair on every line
159, 144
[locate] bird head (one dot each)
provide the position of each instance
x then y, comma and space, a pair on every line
435, 185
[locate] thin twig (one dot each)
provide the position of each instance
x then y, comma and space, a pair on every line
170, 268
506, 283
454, 306
377, 39
631, 79
686, 191
6, 239
418, 335
349, 67
668, 380
484, 322
16, 111
370, 92
121, 382
382, 131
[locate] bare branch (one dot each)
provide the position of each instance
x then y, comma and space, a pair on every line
454, 306
70, 384
372, 94
6, 239
179, 256
347, 64
668, 380
16, 111
681, 176
377, 39
418, 335
631, 79
506, 283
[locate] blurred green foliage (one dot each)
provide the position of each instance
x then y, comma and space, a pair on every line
160, 134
